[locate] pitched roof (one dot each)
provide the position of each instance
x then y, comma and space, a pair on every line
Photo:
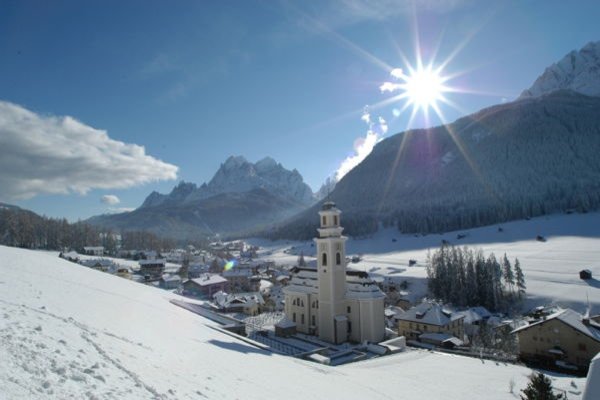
429, 313
571, 318
208, 279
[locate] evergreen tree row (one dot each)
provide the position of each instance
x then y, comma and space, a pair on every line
22, 228
466, 278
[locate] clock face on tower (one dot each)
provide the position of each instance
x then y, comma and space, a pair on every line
323, 247
338, 247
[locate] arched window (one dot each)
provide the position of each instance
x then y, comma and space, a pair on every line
294, 302
324, 259
335, 220
324, 220
301, 303
338, 258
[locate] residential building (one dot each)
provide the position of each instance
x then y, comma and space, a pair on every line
330, 301
152, 269
94, 250
205, 286
565, 339
429, 317
249, 303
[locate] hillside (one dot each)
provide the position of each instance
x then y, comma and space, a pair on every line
68, 331
522, 159
551, 268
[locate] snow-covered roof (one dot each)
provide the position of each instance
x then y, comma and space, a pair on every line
227, 300
93, 248
358, 284
571, 318
429, 313
171, 278
209, 279
474, 314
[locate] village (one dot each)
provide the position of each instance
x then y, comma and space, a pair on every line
321, 309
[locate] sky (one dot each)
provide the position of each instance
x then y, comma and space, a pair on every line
102, 103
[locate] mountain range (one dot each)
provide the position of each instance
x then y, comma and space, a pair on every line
241, 196
533, 156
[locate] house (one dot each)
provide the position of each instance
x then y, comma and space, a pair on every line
249, 303
474, 317
205, 286
564, 339
94, 250
585, 274
71, 256
99, 264
170, 282
330, 301
152, 269
429, 318
241, 279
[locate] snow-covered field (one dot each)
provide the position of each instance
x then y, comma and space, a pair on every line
67, 331
551, 268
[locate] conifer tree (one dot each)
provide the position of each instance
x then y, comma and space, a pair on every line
519, 278
539, 388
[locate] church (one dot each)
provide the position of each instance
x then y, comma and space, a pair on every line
332, 302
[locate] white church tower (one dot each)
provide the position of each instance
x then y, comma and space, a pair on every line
331, 268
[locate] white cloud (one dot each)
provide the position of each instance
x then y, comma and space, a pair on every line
60, 155
363, 145
110, 199
389, 87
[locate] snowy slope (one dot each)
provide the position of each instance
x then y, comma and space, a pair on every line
70, 332
551, 268
578, 71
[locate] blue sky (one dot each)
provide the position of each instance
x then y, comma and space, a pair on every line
194, 82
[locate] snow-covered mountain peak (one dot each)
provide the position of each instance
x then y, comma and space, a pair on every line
266, 163
578, 71
234, 162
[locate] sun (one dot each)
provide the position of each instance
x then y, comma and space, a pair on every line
421, 87
424, 88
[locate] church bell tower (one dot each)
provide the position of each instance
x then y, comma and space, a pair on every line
331, 266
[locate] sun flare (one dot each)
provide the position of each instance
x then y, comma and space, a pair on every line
422, 87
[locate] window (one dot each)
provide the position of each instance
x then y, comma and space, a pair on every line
294, 317
313, 320
302, 318
324, 259
338, 258
301, 303
294, 302
348, 309
349, 327
335, 220
324, 220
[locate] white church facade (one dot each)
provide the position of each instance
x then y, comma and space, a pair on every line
331, 302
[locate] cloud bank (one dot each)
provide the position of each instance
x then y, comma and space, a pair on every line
363, 145
110, 199
60, 155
